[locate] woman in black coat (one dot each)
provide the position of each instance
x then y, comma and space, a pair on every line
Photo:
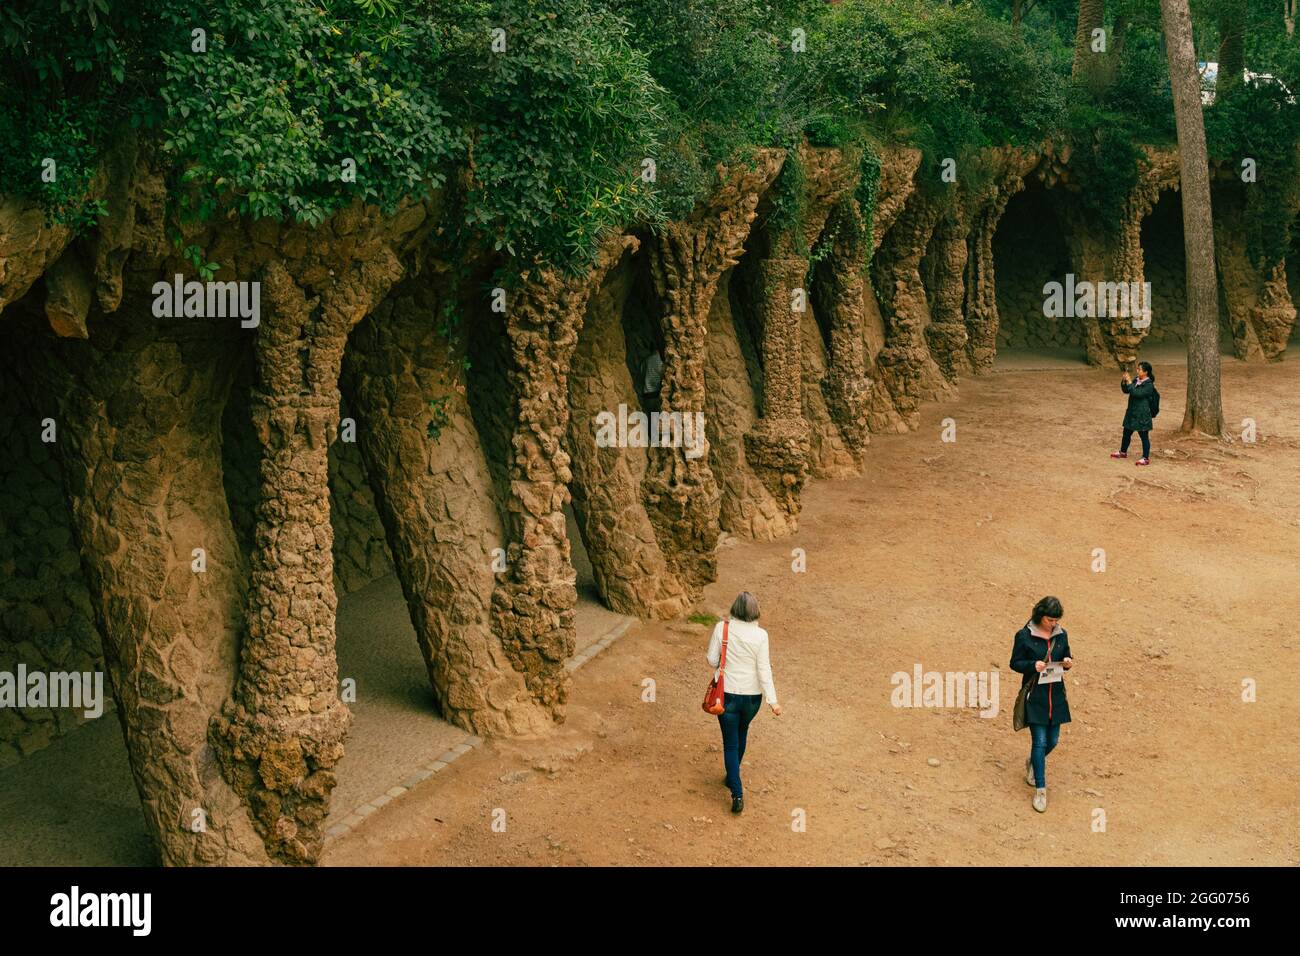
1046, 709
1143, 406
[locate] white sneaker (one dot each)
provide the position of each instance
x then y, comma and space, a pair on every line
1029, 772
1040, 799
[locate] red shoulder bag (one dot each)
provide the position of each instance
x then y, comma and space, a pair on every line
714, 702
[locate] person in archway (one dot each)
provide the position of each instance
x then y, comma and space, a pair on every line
1143, 407
1038, 643
747, 680
652, 377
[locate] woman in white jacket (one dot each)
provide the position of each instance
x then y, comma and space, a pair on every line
747, 679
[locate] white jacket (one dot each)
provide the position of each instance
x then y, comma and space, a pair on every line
749, 669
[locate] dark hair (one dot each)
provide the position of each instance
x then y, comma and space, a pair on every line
1146, 367
745, 607
1047, 607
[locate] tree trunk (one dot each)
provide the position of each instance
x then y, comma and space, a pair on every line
1204, 401
1232, 44
1288, 16
1087, 64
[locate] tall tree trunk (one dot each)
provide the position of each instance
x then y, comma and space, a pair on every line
1087, 63
1288, 16
1017, 12
1204, 400
1232, 44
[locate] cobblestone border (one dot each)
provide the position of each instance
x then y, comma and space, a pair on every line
464, 746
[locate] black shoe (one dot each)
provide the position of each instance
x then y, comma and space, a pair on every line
737, 804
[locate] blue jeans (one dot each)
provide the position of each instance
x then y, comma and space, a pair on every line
1042, 741
734, 721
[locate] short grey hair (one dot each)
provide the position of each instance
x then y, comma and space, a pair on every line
745, 607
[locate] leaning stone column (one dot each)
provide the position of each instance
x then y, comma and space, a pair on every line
1130, 326
776, 448
630, 570
848, 384
433, 493
906, 366
1090, 257
982, 317
1258, 302
946, 333
533, 605
687, 260
281, 734
139, 418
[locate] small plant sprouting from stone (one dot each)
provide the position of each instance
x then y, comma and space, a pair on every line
702, 618
441, 419
194, 256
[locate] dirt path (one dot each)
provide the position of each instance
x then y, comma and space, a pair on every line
935, 557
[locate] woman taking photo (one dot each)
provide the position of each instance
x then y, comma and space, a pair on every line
747, 679
1038, 643
1143, 406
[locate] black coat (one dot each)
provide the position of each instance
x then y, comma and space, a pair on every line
1046, 703
1138, 417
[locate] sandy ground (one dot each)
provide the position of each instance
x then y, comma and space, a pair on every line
935, 557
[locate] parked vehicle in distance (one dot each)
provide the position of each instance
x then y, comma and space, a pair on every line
1210, 75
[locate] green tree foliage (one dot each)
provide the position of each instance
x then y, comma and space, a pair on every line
553, 131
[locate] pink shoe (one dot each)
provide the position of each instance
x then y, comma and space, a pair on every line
1119, 454
1142, 461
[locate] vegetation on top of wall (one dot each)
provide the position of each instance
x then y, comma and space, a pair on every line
575, 118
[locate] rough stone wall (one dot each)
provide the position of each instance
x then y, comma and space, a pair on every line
1028, 252
898, 166
839, 301
629, 569
46, 618
1166, 270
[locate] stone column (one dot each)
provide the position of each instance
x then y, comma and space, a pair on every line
281, 734
139, 419
1090, 255
906, 366
631, 571
533, 605
848, 383
406, 385
947, 254
687, 260
1258, 302
982, 317
777, 446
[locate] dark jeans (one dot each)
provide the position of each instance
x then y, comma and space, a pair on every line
734, 721
1042, 741
1146, 442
